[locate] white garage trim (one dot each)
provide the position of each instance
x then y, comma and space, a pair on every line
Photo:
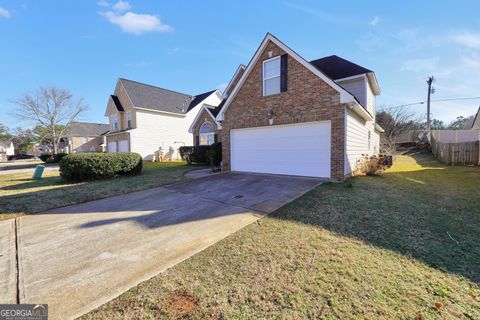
302, 149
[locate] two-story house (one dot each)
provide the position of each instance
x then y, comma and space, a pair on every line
83, 137
285, 115
146, 119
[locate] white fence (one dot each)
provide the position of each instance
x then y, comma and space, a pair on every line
456, 136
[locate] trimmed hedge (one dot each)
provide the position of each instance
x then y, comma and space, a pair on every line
47, 158
96, 165
211, 155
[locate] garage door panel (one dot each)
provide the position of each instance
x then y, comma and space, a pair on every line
123, 146
300, 149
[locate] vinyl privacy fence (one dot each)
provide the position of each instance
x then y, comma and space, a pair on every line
464, 153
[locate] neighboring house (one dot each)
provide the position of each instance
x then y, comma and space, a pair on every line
7, 147
83, 137
38, 149
6, 150
286, 115
145, 119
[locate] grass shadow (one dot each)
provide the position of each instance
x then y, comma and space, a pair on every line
423, 210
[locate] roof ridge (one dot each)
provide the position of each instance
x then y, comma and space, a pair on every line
156, 87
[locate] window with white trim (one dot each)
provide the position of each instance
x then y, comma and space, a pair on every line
271, 76
114, 122
129, 120
206, 134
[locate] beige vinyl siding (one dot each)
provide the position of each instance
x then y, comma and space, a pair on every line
356, 140
357, 87
370, 100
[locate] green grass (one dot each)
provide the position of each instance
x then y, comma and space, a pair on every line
19, 194
375, 249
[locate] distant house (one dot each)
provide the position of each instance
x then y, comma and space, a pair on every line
148, 119
6, 150
7, 147
83, 137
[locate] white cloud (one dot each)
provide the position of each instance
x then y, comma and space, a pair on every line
468, 39
136, 23
4, 13
103, 3
121, 6
374, 21
421, 65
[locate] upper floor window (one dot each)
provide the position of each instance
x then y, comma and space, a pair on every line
206, 134
129, 120
271, 76
114, 122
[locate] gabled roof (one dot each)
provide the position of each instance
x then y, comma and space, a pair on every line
199, 98
345, 96
338, 68
150, 97
82, 129
5, 143
212, 111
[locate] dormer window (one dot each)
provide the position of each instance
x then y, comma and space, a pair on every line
271, 76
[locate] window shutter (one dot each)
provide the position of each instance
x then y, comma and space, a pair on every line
215, 138
197, 140
283, 72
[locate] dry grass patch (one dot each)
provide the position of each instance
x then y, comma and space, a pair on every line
377, 249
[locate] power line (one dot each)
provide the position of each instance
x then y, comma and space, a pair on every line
435, 100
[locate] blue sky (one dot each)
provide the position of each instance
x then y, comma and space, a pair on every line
195, 46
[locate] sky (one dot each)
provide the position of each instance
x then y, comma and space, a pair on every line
196, 46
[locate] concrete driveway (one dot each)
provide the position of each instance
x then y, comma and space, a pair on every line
79, 257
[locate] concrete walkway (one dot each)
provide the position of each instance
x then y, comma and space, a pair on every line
26, 170
79, 257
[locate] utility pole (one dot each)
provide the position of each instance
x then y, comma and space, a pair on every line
430, 91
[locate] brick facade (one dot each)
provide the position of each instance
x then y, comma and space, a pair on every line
307, 99
202, 118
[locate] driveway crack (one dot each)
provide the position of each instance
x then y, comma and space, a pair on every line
17, 268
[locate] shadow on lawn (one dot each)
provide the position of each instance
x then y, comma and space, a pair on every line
432, 215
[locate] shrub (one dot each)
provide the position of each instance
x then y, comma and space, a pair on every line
48, 158
44, 157
211, 155
95, 165
59, 156
373, 165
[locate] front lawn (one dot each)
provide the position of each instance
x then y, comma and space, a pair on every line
401, 246
19, 194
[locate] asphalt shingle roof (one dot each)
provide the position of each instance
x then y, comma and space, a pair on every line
82, 129
155, 98
338, 68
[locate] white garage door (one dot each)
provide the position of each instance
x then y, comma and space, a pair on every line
298, 149
123, 146
112, 146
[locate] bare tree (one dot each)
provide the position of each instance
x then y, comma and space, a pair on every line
52, 108
395, 122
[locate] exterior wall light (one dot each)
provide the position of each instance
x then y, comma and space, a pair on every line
270, 116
